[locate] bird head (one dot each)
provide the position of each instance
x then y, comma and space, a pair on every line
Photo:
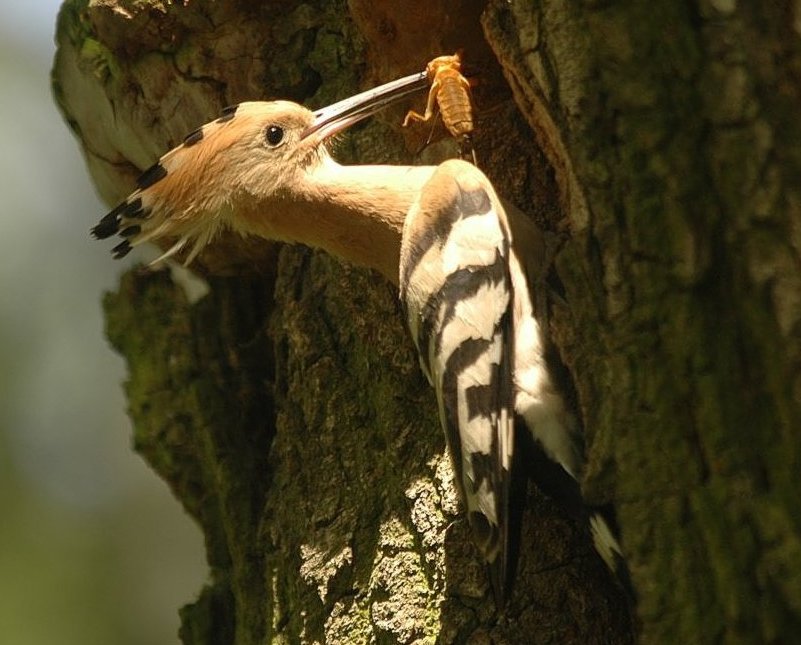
253, 154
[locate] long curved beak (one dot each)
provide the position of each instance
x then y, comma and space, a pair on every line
343, 114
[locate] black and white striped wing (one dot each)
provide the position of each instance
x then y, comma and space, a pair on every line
458, 296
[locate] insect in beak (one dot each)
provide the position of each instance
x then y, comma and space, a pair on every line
343, 114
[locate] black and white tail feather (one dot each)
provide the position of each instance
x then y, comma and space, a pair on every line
469, 312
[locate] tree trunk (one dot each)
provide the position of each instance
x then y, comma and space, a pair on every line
657, 145
674, 130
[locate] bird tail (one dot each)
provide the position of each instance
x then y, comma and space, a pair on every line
502, 569
606, 543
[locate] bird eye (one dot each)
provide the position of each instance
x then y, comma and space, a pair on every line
274, 135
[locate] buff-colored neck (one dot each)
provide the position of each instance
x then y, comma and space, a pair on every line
355, 213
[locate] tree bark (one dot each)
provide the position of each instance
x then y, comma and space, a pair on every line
673, 128
658, 148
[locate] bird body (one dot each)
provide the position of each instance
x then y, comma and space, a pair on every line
440, 232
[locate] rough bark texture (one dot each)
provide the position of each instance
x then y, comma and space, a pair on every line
659, 145
674, 131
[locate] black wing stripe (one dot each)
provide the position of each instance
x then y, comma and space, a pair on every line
463, 357
460, 285
464, 284
481, 399
465, 204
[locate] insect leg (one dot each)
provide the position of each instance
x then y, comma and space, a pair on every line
432, 96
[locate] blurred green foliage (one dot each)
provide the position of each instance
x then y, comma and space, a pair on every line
93, 549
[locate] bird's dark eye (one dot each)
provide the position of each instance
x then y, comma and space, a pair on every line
274, 135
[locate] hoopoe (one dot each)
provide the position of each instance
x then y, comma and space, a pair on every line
439, 232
